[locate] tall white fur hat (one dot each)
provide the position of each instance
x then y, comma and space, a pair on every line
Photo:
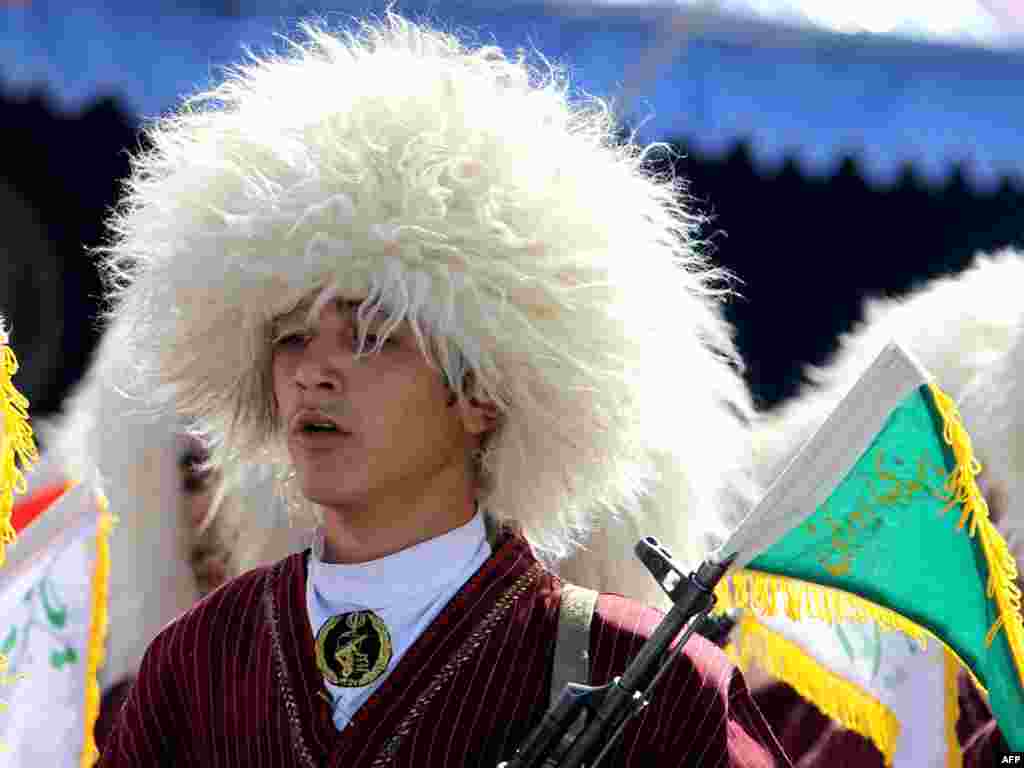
128, 450
465, 193
967, 330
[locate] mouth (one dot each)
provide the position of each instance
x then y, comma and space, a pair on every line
310, 423
318, 428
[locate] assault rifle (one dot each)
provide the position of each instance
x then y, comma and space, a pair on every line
609, 707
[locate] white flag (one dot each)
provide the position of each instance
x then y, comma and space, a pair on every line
882, 684
47, 626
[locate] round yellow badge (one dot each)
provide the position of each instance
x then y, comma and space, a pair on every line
353, 649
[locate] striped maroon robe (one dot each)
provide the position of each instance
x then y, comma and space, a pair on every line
234, 682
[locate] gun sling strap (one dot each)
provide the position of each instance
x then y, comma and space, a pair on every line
572, 643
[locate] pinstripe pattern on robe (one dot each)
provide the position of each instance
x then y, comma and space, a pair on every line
234, 682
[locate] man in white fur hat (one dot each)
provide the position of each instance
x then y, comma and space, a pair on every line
451, 311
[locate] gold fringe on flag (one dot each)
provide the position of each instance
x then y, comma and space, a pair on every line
760, 592
17, 447
97, 630
747, 588
1002, 568
17, 444
843, 701
954, 756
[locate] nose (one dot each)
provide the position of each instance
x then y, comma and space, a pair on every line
316, 368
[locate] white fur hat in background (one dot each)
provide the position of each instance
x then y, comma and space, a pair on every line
967, 330
466, 193
130, 452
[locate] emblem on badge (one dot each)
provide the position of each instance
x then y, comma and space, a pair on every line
353, 649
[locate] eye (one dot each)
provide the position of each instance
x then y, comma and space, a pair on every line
294, 339
194, 476
371, 340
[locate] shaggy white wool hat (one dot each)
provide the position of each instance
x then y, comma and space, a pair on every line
128, 450
966, 330
992, 405
465, 193
131, 451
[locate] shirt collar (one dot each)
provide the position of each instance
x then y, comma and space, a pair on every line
423, 568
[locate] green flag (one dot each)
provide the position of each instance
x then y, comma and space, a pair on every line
880, 519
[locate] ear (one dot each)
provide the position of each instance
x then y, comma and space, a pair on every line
478, 417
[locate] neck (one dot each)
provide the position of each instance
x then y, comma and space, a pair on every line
359, 533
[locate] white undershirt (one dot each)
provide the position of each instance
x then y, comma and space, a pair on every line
407, 590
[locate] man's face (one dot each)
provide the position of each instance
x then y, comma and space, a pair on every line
209, 548
368, 429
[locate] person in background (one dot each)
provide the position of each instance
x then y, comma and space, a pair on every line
177, 535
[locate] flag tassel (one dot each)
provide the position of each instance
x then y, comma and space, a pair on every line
760, 591
97, 631
839, 699
951, 670
17, 444
1001, 564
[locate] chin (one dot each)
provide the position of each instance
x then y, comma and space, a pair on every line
329, 495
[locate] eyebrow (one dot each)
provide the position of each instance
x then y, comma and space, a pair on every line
347, 307
302, 310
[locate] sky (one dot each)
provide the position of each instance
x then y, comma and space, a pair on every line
987, 22
814, 97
